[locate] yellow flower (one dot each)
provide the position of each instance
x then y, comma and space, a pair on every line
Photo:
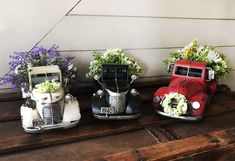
186, 53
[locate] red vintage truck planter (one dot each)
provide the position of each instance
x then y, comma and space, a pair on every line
190, 90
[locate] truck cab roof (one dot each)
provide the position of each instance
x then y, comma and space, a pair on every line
190, 63
115, 77
40, 74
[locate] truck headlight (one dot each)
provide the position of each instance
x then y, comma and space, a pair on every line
68, 98
196, 105
134, 92
156, 99
100, 93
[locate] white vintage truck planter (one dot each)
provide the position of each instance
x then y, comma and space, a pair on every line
48, 108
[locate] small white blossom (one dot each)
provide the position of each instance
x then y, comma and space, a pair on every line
17, 69
188, 46
213, 56
200, 48
70, 66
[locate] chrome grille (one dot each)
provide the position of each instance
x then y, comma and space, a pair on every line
117, 101
51, 113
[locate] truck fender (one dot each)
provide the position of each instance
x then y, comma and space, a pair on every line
28, 115
160, 92
97, 103
71, 111
202, 98
213, 87
134, 105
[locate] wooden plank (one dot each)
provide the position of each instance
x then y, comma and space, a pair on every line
186, 129
158, 8
15, 139
9, 96
175, 149
11, 129
218, 154
88, 128
224, 152
212, 121
86, 149
160, 133
10, 110
97, 32
82, 153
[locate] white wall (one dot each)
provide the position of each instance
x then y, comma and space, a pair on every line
23, 23
147, 29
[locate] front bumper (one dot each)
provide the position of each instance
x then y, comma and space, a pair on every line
39, 129
117, 116
187, 118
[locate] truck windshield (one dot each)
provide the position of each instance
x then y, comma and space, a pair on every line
111, 73
39, 78
191, 72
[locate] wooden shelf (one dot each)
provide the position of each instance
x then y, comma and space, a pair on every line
150, 137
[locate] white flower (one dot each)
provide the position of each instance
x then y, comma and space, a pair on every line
105, 54
200, 48
188, 46
117, 50
213, 56
70, 66
17, 69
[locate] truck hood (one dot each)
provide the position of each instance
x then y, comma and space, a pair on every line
186, 87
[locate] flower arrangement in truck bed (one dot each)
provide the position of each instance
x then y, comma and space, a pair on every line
38, 56
206, 53
113, 56
47, 87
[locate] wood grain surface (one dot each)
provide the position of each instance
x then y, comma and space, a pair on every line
151, 137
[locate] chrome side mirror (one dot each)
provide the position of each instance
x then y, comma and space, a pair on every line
133, 78
96, 77
68, 98
65, 80
210, 74
170, 68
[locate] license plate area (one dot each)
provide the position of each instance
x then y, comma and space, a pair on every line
38, 122
107, 110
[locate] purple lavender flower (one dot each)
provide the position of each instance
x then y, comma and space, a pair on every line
38, 56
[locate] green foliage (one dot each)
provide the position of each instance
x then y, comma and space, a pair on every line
113, 56
194, 51
47, 87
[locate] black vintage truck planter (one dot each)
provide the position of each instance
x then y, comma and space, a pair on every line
116, 100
